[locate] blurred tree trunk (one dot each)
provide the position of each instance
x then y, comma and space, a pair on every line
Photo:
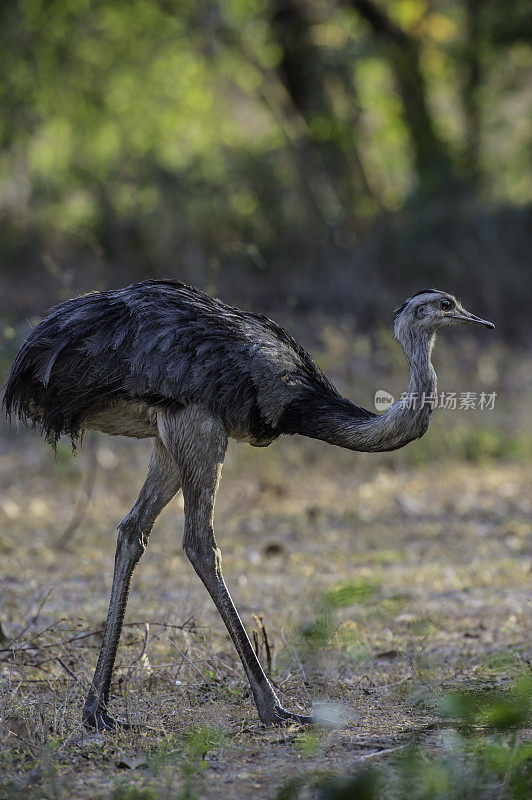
431, 157
470, 87
304, 76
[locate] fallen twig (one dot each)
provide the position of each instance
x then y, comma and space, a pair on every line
187, 659
141, 657
259, 621
188, 625
418, 674
381, 753
35, 617
68, 670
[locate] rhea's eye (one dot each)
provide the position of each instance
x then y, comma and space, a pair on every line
446, 305
420, 311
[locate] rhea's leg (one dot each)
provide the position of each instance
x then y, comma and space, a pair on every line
198, 442
205, 557
161, 484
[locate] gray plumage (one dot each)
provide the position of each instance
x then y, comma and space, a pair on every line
168, 345
163, 360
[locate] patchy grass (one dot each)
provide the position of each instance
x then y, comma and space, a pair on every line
486, 755
394, 590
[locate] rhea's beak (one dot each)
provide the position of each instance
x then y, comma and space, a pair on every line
465, 316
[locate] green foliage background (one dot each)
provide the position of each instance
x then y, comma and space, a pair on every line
335, 152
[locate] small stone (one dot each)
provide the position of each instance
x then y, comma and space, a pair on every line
132, 760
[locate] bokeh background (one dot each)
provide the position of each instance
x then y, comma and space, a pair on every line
311, 153
319, 161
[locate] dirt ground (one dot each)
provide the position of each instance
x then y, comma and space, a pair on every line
382, 582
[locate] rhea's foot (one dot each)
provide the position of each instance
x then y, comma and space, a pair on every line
278, 716
99, 720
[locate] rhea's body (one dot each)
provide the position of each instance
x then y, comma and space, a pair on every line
162, 360
113, 360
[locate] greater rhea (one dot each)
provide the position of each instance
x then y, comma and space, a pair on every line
165, 361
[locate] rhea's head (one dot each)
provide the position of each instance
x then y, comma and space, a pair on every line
429, 310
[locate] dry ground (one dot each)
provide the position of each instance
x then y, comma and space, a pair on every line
383, 581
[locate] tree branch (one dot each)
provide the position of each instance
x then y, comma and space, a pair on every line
381, 24
431, 156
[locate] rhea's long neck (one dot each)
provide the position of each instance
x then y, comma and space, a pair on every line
341, 423
418, 351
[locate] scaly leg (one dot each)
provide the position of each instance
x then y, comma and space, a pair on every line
161, 484
198, 441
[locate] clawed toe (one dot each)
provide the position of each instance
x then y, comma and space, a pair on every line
281, 718
102, 721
